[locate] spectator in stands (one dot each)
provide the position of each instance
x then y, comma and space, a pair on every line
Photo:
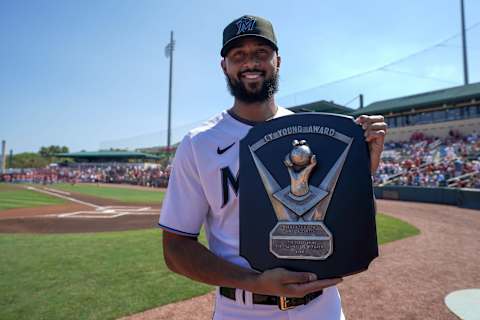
422, 161
428, 161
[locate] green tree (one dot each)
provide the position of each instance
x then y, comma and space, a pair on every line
51, 151
29, 160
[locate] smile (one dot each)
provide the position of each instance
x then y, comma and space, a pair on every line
252, 75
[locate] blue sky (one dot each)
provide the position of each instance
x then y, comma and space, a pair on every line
91, 73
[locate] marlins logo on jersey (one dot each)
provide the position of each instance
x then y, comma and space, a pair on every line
245, 24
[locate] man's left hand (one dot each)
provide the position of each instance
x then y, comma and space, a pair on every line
375, 130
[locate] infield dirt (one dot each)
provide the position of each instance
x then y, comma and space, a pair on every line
407, 282
45, 219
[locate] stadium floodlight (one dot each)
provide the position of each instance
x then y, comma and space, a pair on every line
170, 47
464, 44
169, 54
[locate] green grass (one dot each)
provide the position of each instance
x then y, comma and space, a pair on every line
121, 194
13, 197
102, 275
390, 229
87, 276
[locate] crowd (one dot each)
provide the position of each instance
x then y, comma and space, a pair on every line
431, 162
122, 173
422, 161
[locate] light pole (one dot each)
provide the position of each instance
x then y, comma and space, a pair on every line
464, 45
169, 54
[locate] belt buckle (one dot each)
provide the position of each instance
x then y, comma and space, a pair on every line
284, 303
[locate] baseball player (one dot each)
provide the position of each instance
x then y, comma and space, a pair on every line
204, 190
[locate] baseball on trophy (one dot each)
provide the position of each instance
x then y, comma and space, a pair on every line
301, 153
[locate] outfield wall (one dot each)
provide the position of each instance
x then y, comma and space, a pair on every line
465, 198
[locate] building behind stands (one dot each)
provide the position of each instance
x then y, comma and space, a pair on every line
436, 113
106, 158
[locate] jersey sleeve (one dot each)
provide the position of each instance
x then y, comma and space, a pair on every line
185, 206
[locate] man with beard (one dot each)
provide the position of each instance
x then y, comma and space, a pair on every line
204, 184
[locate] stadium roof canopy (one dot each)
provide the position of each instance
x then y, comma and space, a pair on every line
423, 100
322, 106
108, 155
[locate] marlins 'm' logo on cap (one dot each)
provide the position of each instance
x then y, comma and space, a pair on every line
250, 26
245, 24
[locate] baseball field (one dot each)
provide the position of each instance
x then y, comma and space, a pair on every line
12, 197
94, 252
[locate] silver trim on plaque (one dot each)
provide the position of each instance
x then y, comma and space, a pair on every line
300, 207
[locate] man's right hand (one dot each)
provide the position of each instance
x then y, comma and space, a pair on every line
284, 283
188, 257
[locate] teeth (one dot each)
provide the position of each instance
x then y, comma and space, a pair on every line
251, 76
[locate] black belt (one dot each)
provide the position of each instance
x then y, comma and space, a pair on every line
284, 303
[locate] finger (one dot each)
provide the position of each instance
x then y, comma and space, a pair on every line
363, 119
376, 118
375, 126
302, 289
375, 135
298, 277
378, 129
287, 161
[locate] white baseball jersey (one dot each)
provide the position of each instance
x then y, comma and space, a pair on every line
203, 190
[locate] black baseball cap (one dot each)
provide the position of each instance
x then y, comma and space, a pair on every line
250, 26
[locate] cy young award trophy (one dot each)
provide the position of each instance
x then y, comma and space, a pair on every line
306, 198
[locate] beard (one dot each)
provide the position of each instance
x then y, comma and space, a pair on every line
268, 88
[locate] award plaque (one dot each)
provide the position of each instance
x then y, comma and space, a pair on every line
306, 196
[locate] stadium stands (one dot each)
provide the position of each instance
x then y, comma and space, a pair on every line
423, 161
432, 162
122, 173
433, 141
